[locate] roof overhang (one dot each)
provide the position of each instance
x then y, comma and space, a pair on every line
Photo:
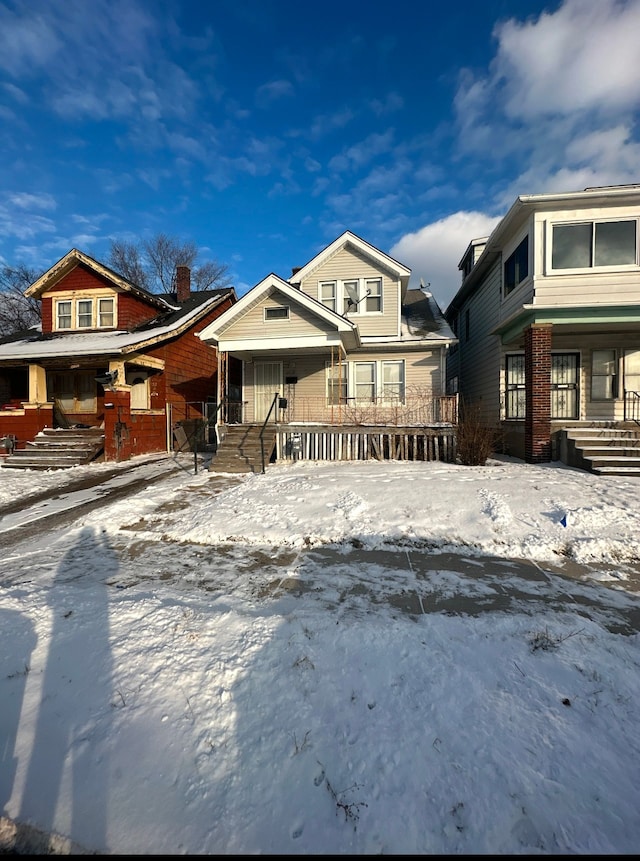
594, 317
399, 271
524, 206
74, 258
215, 332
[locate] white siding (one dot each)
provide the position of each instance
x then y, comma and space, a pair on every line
348, 264
478, 356
252, 324
588, 287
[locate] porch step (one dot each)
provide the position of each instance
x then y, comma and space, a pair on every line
240, 449
58, 448
604, 450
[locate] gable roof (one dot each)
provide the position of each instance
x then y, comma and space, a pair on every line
33, 344
349, 239
216, 328
75, 258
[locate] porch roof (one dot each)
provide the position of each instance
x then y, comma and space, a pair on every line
577, 317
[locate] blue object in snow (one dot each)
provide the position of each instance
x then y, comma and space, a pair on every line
563, 521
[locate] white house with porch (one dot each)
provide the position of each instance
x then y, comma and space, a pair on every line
336, 356
548, 321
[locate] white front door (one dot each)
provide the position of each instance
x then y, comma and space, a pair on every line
267, 382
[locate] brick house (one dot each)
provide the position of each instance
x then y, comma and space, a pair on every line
110, 355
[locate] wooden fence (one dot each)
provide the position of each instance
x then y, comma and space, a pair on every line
301, 442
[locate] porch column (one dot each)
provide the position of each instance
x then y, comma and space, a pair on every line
117, 424
537, 371
37, 384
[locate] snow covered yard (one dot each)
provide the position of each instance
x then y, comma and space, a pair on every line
329, 658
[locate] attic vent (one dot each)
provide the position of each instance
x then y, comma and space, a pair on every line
277, 313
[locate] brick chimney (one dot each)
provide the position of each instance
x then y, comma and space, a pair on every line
183, 283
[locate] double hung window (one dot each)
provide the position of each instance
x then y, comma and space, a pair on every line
86, 313
337, 384
352, 296
604, 375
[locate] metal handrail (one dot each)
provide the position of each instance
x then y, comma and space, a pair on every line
632, 406
264, 425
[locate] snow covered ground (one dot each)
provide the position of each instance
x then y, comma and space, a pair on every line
348, 658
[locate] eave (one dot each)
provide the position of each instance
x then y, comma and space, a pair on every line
599, 315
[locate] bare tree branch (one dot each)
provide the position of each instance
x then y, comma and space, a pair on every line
125, 258
152, 264
17, 311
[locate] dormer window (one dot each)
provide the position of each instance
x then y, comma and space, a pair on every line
63, 315
106, 317
86, 313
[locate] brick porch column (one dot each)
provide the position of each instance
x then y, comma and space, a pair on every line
537, 372
117, 425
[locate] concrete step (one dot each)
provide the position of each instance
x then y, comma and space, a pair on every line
631, 471
603, 433
596, 463
610, 450
241, 450
58, 449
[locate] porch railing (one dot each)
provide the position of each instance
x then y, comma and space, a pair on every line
632, 406
417, 410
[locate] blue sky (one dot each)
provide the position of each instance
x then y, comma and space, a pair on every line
262, 129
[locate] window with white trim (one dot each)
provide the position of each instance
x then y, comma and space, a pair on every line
381, 381
604, 375
373, 295
63, 314
85, 313
106, 313
393, 382
365, 382
591, 244
280, 312
352, 296
327, 292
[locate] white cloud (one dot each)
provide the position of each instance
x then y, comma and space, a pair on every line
557, 81
32, 201
434, 251
269, 93
584, 56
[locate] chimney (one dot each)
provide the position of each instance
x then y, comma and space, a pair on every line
183, 283
294, 272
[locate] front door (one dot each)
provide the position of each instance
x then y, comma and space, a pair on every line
267, 382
